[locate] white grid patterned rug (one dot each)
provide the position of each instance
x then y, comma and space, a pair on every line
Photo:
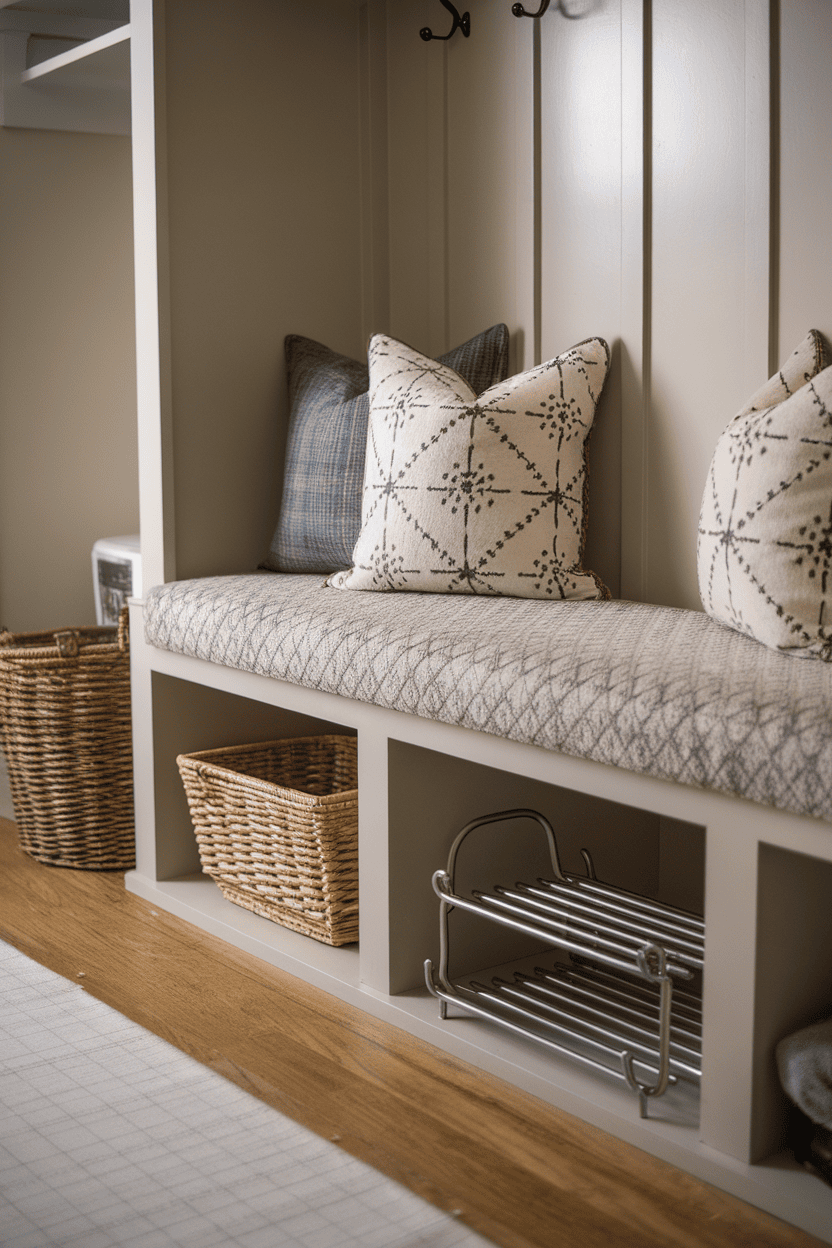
111, 1136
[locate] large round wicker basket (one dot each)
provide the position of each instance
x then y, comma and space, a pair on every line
277, 828
66, 733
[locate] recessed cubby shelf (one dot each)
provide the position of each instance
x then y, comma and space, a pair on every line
191, 717
612, 1002
66, 71
100, 62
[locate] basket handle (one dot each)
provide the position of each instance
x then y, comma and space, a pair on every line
68, 644
124, 628
70, 640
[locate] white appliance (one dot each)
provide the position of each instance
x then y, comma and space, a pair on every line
116, 575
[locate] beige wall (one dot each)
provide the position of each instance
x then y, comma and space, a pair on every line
68, 465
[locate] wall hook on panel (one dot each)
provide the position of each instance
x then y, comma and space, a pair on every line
462, 23
519, 11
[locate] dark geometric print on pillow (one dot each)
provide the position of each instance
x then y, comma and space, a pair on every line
320, 513
765, 532
477, 495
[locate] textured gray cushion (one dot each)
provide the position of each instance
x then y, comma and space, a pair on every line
651, 689
320, 512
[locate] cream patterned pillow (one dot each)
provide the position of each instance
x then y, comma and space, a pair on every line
765, 529
467, 495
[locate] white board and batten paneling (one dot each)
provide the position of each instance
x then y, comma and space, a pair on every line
618, 172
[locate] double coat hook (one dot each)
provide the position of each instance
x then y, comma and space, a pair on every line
462, 23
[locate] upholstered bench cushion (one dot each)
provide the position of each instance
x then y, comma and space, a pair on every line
652, 689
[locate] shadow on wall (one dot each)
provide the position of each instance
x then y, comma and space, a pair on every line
602, 551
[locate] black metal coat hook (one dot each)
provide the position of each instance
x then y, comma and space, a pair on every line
519, 11
462, 23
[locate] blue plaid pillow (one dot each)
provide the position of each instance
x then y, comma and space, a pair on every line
320, 513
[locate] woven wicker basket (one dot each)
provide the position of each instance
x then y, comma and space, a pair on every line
65, 730
277, 829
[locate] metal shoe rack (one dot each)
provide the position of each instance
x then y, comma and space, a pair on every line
615, 1004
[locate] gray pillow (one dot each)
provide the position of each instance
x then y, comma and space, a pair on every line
320, 513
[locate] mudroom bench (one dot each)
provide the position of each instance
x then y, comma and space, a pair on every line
693, 763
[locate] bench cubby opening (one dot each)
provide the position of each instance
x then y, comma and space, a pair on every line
793, 983
189, 717
433, 795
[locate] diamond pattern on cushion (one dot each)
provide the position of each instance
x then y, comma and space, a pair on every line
651, 689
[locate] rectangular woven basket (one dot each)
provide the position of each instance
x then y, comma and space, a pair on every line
66, 733
277, 828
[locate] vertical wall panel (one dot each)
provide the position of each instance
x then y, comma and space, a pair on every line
460, 160
581, 233
416, 163
759, 347
581, 176
460, 192
698, 267
805, 276
490, 144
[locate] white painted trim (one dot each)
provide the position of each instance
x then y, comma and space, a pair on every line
152, 302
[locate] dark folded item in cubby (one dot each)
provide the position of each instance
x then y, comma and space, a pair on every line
804, 1064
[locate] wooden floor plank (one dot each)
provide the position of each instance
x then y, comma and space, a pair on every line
519, 1171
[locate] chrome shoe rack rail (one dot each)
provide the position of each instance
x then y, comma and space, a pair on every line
614, 1006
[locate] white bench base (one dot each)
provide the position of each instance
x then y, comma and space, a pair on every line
419, 781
